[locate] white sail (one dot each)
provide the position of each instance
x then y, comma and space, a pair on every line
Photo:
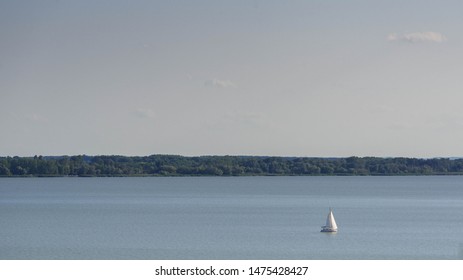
330, 225
330, 221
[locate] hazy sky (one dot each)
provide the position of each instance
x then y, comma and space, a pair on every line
288, 78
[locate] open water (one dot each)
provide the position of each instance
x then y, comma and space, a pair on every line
231, 218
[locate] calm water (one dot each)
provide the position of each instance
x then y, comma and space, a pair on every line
231, 218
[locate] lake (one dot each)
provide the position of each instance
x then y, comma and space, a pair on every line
231, 218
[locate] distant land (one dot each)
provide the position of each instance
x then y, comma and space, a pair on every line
174, 165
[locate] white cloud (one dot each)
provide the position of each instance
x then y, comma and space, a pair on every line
418, 37
220, 83
145, 113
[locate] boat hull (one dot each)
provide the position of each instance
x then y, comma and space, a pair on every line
329, 230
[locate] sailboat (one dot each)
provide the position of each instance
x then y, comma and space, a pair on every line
330, 223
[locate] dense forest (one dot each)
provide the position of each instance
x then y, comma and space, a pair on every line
172, 165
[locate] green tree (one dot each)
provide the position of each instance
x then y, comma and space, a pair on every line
4, 171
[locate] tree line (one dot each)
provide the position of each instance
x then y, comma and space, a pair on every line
173, 165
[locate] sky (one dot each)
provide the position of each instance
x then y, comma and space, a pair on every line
279, 78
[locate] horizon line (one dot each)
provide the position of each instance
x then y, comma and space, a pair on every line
232, 155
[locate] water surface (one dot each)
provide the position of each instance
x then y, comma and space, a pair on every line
231, 218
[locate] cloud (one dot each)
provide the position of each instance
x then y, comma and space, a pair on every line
144, 113
220, 83
418, 37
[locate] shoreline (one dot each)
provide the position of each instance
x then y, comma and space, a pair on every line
227, 166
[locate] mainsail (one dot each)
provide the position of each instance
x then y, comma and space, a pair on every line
331, 225
330, 221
